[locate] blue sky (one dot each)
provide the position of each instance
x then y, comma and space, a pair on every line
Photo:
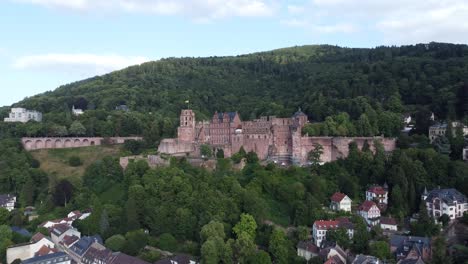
47, 43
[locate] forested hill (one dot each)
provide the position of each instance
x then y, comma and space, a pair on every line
323, 80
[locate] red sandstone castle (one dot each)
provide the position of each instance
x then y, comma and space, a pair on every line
272, 138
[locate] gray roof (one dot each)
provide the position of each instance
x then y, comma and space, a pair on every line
365, 259
230, 114
49, 257
447, 195
84, 243
404, 244
5, 198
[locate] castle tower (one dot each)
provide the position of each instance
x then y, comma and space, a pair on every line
186, 130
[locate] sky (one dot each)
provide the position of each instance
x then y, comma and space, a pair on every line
48, 43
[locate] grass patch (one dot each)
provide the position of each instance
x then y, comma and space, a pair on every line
56, 161
278, 212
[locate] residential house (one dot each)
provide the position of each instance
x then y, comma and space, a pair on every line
121, 258
366, 259
333, 254
55, 258
59, 231
79, 248
77, 112
411, 261
340, 201
307, 250
320, 228
97, 254
445, 201
7, 201
438, 130
23, 115
378, 194
30, 249
370, 212
388, 223
410, 247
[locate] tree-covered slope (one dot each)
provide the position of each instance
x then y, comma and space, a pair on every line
320, 79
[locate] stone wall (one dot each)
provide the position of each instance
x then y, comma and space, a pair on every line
70, 142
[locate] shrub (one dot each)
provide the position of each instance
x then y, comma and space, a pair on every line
75, 161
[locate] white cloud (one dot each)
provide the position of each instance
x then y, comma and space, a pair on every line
195, 9
320, 28
76, 64
295, 9
394, 21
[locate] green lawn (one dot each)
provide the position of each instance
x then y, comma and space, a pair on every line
55, 161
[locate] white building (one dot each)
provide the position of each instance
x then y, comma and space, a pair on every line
370, 212
340, 201
465, 153
7, 201
23, 115
29, 250
307, 250
445, 201
440, 130
320, 228
58, 233
388, 223
377, 194
77, 112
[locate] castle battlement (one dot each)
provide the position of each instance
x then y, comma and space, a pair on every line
272, 138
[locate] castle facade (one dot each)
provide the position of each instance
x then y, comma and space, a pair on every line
275, 139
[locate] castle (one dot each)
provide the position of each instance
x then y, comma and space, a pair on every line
275, 139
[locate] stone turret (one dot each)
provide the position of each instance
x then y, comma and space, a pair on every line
186, 130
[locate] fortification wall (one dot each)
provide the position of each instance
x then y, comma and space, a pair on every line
30, 143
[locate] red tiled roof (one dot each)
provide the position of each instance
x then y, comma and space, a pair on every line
37, 237
388, 221
309, 246
326, 224
44, 250
377, 190
69, 240
337, 197
366, 206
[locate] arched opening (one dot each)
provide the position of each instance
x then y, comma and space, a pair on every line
49, 144
92, 143
28, 144
58, 143
85, 142
68, 143
77, 143
39, 144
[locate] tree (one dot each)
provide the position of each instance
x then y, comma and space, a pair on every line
77, 129
28, 192
380, 249
445, 219
63, 193
243, 247
261, 257
4, 216
212, 229
209, 252
131, 210
75, 161
439, 252
340, 236
205, 151
361, 237
278, 247
104, 223
116, 242
246, 225
167, 242
220, 153
302, 233
315, 154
